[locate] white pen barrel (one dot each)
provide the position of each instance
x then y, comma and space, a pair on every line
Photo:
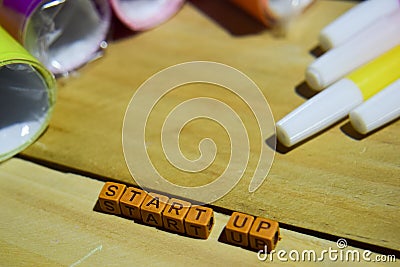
319, 112
378, 110
367, 45
354, 21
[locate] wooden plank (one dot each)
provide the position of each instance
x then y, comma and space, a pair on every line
335, 183
48, 220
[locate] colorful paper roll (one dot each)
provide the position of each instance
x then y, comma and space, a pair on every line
27, 97
62, 34
273, 12
140, 15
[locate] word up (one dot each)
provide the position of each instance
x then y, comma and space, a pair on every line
257, 233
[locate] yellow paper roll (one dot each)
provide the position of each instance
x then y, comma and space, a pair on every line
27, 97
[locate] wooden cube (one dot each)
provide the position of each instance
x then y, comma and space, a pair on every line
237, 229
174, 214
199, 222
264, 232
130, 202
109, 197
152, 208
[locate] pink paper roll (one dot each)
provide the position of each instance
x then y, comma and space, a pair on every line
140, 15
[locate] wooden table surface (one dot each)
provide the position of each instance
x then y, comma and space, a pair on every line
48, 220
336, 185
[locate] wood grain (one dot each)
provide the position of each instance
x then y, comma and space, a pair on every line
336, 183
48, 220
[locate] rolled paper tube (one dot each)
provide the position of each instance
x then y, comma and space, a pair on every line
27, 97
62, 34
140, 15
272, 12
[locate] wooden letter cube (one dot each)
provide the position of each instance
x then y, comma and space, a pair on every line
263, 233
174, 214
152, 208
109, 197
199, 221
130, 203
237, 229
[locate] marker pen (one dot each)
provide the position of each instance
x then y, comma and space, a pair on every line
62, 34
354, 21
27, 97
339, 99
378, 110
376, 39
143, 15
272, 12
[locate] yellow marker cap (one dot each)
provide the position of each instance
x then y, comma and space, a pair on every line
378, 73
335, 102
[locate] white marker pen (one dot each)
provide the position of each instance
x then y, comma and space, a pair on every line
335, 103
378, 110
376, 39
354, 21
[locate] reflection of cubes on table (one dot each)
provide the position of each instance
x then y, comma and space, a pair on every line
158, 210
152, 208
109, 197
245, 231
237, 229
264, 232
199, 222
174, 215
130, 203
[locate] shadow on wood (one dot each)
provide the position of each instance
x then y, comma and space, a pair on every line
348, 130
304, 90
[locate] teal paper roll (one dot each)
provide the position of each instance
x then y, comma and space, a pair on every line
27, 97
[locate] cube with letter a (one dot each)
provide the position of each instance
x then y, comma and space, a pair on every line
152, 208
264, 232
109, 197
